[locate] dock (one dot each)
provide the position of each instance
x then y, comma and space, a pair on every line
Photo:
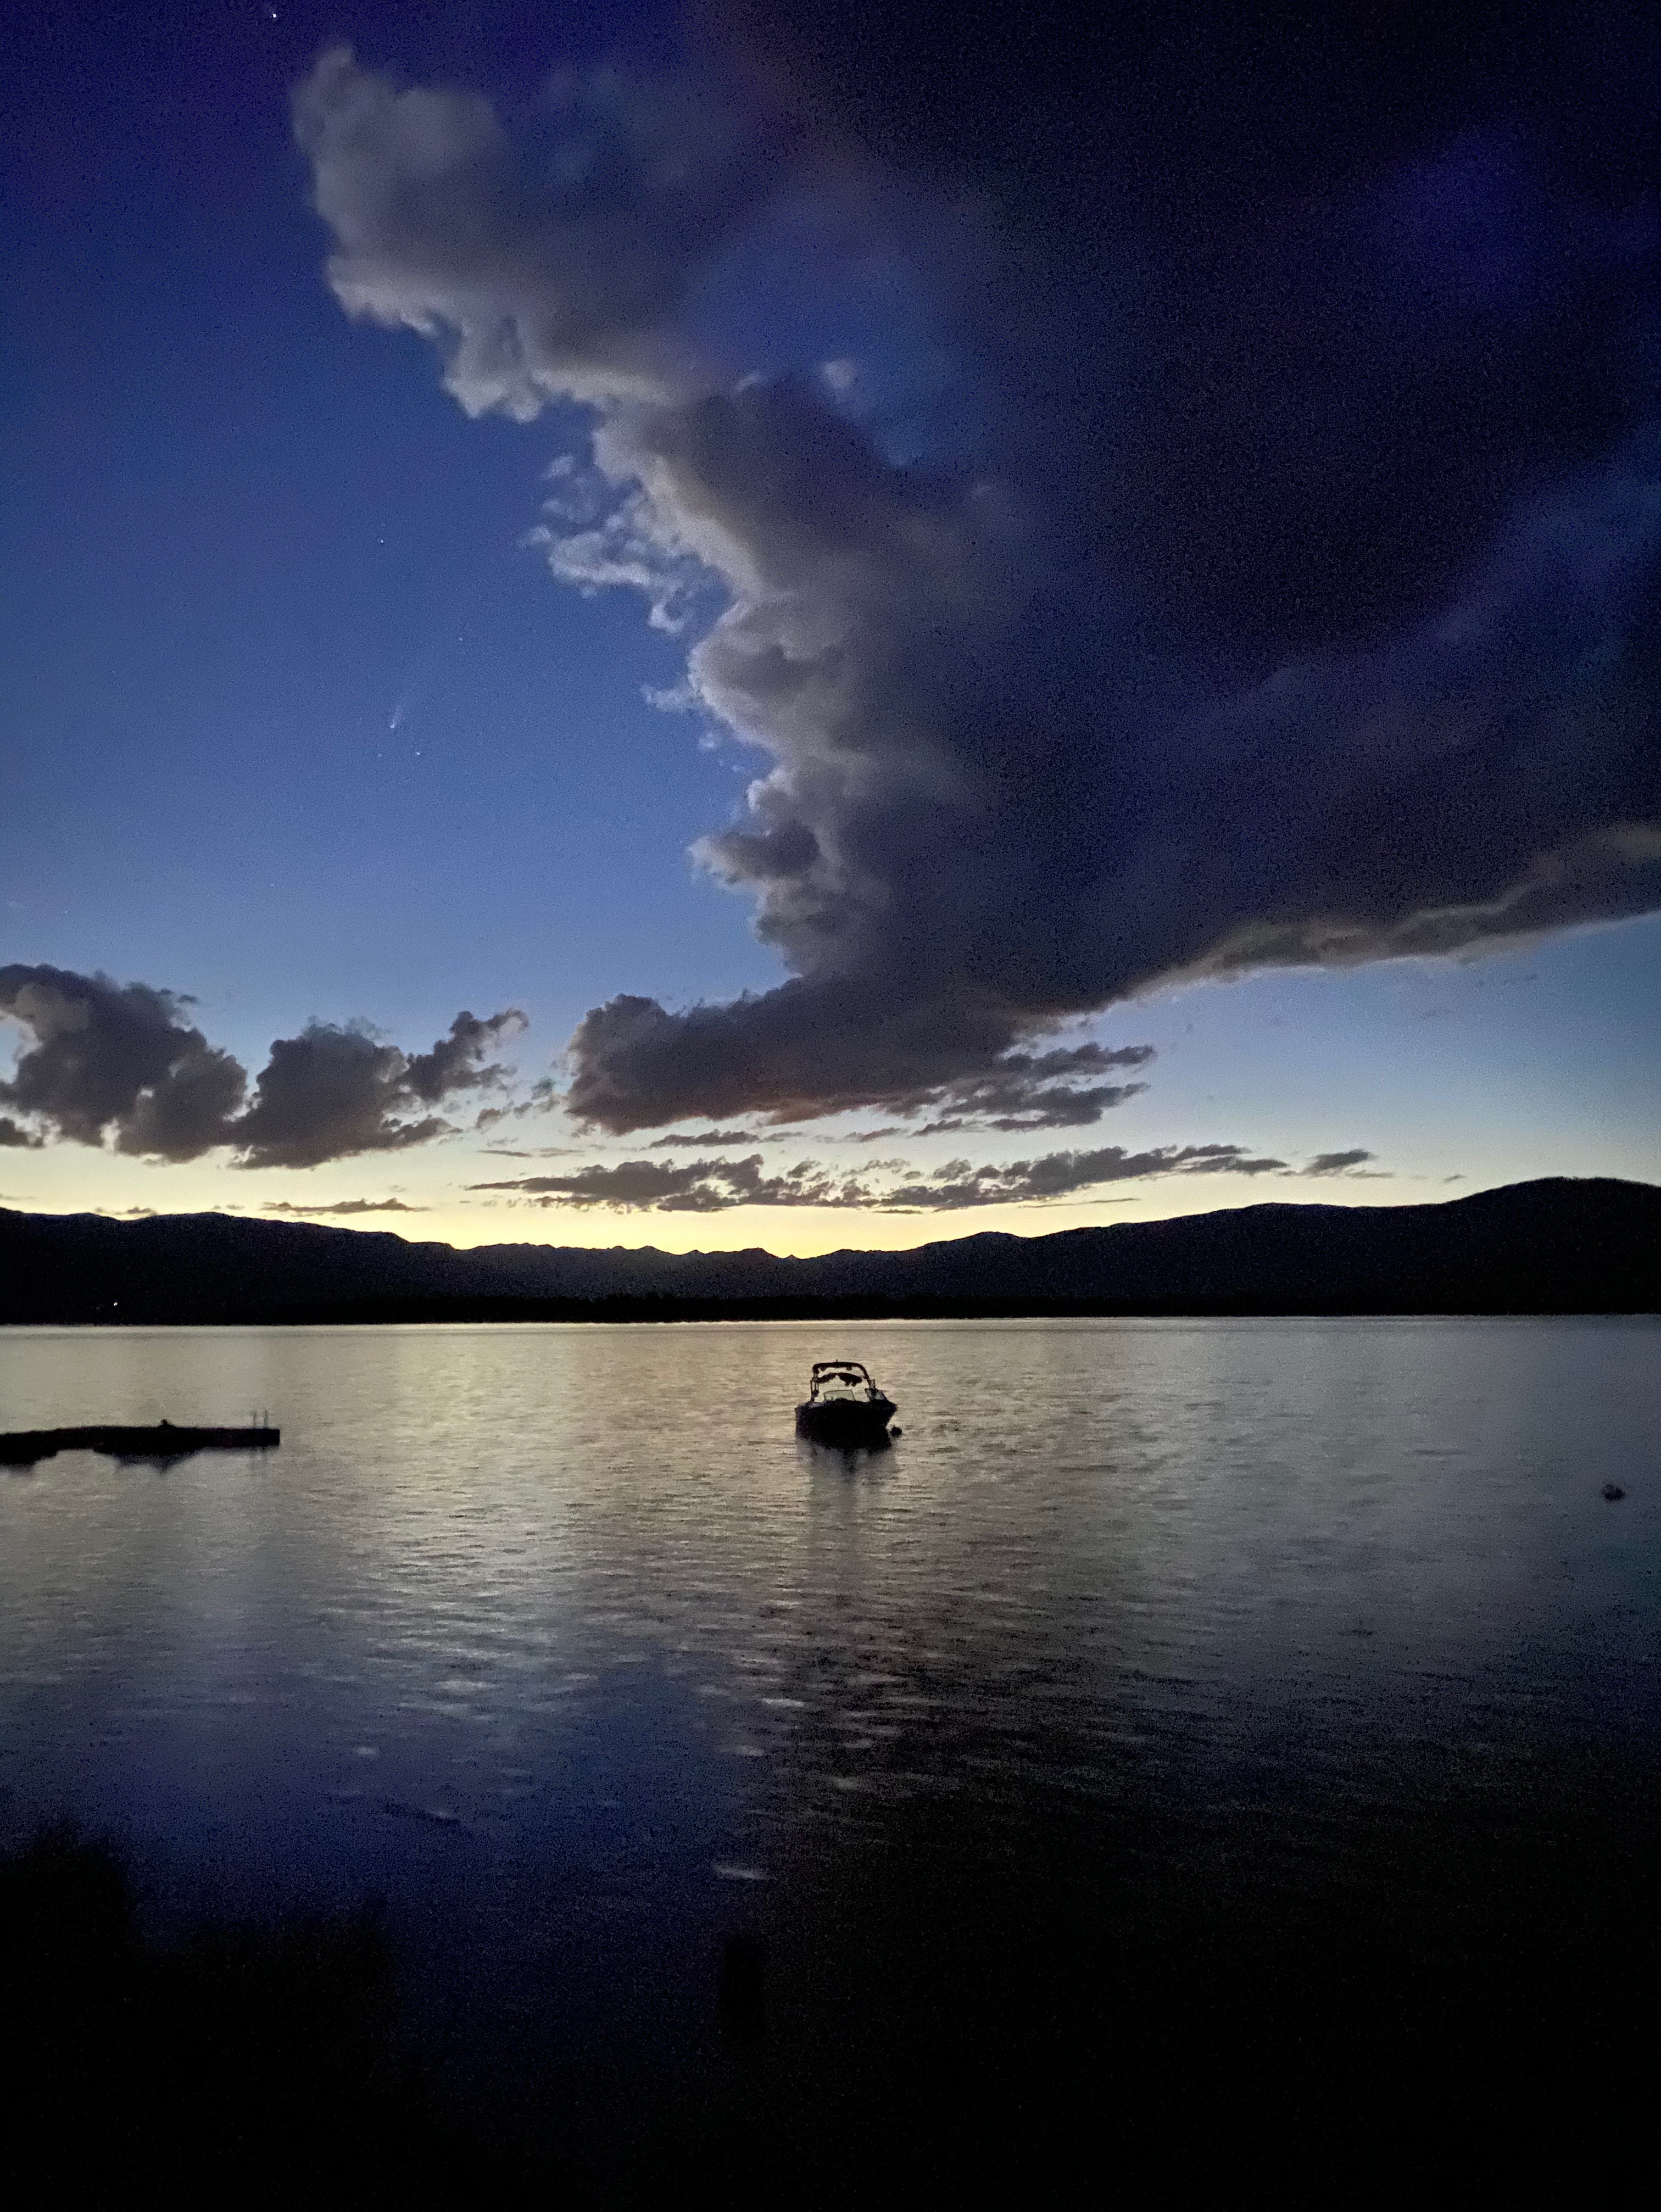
26, 1447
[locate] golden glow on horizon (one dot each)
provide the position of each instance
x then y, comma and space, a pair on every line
1285, 1065
123, 1188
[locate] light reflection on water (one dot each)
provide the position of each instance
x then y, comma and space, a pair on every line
560, 1640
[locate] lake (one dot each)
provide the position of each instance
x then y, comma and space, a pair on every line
697, 1769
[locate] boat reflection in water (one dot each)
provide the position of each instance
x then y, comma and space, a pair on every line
844, 1406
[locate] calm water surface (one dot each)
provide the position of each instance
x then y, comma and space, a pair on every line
559, 1641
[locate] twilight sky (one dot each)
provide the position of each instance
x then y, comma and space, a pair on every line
771, 623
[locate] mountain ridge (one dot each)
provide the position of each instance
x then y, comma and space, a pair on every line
1557, 1245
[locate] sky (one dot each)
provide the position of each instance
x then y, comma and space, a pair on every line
779, 624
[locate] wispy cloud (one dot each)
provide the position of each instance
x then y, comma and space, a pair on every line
342, 1206
673, 1143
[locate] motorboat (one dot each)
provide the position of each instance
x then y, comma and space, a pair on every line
844, 1405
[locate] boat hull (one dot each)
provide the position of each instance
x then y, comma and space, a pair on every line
845, 1421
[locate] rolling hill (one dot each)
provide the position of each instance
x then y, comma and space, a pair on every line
1554, 1246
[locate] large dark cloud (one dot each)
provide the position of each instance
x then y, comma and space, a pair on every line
1359, 278
123, 1062
1254, 561
820, 1047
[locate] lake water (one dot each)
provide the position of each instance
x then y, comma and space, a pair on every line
559, 1642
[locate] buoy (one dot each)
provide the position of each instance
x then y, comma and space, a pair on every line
1612, 1490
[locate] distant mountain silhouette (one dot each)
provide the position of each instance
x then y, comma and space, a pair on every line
1555, 1246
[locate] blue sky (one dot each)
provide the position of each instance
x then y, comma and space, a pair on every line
298, 723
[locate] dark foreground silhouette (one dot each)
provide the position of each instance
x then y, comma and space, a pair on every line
1467, 1998
162, 1440
250, 2057
1554, 1245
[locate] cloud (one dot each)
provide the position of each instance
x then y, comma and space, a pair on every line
1039, 1091
460, 1061
121, 1059
343, 1206
703, 1187
543, 1098
1254, 561
1326, 1164
332, 1092
531, 1151
542, 277
1060, 1175
1022, 1091
124, 1063
811, 1049
884, 1186
12, 1133
718, 1137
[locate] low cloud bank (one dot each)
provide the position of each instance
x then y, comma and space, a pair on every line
124, 1064
887, 1186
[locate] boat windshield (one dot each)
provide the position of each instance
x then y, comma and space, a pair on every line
841, 1379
